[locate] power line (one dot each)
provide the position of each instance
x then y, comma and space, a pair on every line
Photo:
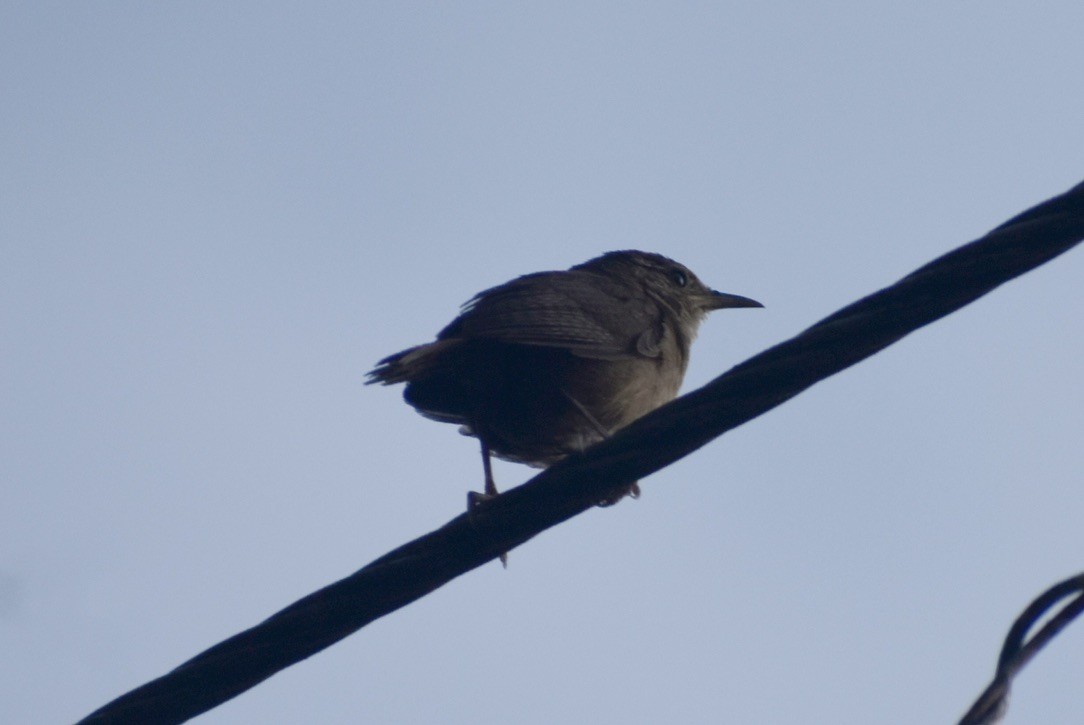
577, 483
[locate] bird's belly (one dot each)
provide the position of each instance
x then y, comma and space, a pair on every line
618, 392
500, 396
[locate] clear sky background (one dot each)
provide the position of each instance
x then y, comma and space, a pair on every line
215, 219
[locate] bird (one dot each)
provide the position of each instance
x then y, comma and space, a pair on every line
549, 363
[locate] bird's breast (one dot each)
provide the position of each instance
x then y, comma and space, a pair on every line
617, 392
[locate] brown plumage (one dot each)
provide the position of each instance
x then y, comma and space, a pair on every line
549, 363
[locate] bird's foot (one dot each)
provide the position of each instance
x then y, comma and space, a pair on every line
632, 491
476, 499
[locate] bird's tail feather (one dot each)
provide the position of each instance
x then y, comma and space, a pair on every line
410, 365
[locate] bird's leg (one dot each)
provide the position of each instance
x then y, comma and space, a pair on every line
474, 498
633, 489
487, 466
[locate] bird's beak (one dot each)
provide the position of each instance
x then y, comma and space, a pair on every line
722, 300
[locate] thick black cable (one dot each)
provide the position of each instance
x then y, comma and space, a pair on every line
574, 485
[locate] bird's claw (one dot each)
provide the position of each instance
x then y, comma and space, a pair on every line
476, 499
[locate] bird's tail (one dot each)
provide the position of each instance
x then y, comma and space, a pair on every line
410, 365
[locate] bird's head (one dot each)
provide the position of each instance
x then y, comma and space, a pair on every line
670, 283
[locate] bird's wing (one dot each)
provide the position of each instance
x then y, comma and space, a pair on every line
588, 314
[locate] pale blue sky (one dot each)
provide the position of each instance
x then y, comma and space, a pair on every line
214, 219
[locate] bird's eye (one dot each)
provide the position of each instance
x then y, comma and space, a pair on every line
679, 277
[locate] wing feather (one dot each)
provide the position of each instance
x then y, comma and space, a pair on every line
591, 315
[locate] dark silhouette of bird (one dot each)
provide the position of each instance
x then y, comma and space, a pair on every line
549, 363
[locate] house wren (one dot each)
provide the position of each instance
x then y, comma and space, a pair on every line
552, 362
